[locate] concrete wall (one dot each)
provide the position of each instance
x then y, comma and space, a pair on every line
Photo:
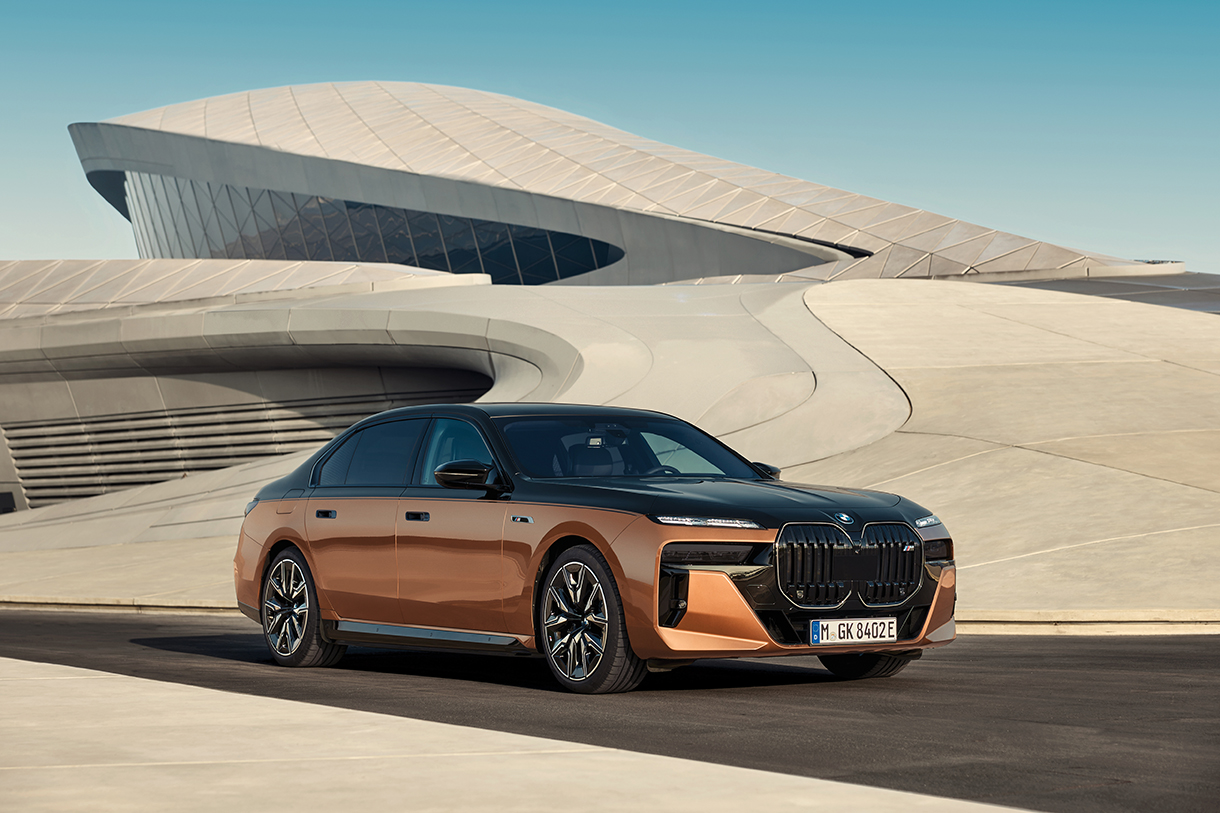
86, 433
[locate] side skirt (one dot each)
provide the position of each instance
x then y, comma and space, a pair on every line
393, 636
250, 612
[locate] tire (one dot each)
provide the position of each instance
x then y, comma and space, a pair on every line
867, 665
291, 626
579, 611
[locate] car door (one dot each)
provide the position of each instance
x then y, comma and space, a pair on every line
350, 519
449, 540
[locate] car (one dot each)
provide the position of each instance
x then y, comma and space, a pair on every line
610, 541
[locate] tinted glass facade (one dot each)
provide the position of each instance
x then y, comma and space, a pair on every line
176, 217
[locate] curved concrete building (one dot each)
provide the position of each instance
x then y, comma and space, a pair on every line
314, 254
471, 182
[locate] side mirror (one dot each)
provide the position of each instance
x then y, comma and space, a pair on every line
467, 474
769, 470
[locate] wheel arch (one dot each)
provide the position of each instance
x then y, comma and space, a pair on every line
274, 550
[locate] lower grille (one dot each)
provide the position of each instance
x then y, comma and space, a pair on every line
818, 566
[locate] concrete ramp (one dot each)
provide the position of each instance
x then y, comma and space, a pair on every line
1071, 444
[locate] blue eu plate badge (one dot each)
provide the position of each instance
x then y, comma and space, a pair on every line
847, 631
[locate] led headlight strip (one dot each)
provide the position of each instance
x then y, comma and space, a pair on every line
709, 522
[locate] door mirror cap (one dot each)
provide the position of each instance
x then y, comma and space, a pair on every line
468, 474
766, 468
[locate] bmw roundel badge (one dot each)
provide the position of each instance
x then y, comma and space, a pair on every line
844, 518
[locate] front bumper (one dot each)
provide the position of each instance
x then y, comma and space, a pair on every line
739, 612
720, 623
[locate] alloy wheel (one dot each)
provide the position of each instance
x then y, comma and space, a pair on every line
575, 621
285, 607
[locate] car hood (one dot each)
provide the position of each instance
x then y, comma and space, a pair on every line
768, 502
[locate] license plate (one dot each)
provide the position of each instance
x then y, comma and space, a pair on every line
846, 631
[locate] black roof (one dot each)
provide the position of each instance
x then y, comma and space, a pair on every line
541, 409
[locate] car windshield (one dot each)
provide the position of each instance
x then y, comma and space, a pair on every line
628, 446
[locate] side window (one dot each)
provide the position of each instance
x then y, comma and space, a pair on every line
380, 455
453, 440
385, 454
334, 470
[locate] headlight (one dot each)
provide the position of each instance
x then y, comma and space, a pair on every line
696, 553
709, 522
928, 521
938, 549
250, 506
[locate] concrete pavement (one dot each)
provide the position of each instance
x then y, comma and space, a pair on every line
79, 739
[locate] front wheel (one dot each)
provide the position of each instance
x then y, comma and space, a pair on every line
291, 626
867, 665
584, 636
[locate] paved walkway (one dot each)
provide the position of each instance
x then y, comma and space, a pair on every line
77, 739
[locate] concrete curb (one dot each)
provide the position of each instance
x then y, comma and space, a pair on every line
1158, 615
116, 605
1090, 622
968, 628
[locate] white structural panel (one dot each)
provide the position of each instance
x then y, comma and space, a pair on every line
43, 287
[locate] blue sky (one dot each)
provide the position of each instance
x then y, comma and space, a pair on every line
1091, 125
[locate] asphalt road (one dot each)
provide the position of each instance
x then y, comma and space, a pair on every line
1057, 724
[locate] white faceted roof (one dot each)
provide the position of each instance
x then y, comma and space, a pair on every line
493, 139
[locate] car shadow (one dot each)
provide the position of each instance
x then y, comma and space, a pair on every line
515, 671
244, 647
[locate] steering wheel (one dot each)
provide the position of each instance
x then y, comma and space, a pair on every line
662, 470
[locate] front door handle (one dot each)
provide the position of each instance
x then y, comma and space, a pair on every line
418, 516
320, 514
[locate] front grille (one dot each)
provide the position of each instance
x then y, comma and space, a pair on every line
818, 566
805, 558
899, 563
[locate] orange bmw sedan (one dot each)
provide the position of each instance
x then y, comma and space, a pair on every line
611, 542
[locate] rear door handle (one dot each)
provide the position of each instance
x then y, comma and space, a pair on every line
418, 516
320, 514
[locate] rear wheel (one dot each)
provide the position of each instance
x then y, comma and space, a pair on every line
867, 665
291, 626
584, 636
